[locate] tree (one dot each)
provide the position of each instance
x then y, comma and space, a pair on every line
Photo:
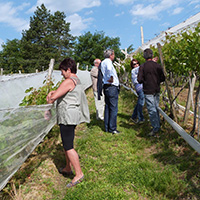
130, 49
11, 57
90, 46
48, 37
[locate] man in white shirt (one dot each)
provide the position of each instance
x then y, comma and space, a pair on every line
111, 91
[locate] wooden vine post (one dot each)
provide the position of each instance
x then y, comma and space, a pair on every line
195, 109
51, 64
172, 109
189, 98
199, 117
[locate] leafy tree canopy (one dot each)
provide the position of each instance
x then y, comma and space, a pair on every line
130, 49
90, 46
48, 37
10, 56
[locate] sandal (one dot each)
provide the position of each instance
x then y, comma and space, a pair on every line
69, 185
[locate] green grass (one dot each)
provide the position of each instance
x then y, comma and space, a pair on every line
130, 165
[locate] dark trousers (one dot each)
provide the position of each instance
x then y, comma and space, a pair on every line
111, 93
67, 136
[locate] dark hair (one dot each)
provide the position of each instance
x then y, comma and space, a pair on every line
68, 63
132, 66
148, 54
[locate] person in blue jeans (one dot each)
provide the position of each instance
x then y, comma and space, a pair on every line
111, 91
151, 75
137, 116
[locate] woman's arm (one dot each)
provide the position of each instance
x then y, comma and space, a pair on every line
66, 86
134, 76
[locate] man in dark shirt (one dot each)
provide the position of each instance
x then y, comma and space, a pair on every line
151, 75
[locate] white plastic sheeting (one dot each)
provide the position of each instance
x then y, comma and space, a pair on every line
187, 24
23, 128
13, 87
189, 139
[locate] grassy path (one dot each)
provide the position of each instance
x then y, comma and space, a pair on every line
125, 166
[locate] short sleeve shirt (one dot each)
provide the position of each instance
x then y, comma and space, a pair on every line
108, 70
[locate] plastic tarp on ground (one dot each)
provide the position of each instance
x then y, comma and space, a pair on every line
23, 128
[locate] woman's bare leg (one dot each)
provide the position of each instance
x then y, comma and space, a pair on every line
67, 168
74, 160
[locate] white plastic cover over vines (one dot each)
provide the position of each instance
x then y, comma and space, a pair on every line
13, 87
187, 24
23, 128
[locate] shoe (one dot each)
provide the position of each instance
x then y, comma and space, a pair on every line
69, 185
100, 119
152, 133
64, 173
134, 120
115, 132
141, 122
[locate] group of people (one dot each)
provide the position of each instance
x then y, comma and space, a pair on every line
72, 107
146, 80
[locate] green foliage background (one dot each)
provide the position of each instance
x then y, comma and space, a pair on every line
49, 37
91, 46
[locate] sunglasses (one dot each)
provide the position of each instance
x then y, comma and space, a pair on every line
135, 63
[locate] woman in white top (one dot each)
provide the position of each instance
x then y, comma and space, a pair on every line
137, 116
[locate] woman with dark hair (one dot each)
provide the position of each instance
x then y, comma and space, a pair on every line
68, 63
137, 113
72, 109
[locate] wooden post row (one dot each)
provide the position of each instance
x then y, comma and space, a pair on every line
172, 109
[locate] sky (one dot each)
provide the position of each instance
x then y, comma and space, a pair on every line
116, 18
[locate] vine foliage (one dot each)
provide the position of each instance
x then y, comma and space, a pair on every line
38, 96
